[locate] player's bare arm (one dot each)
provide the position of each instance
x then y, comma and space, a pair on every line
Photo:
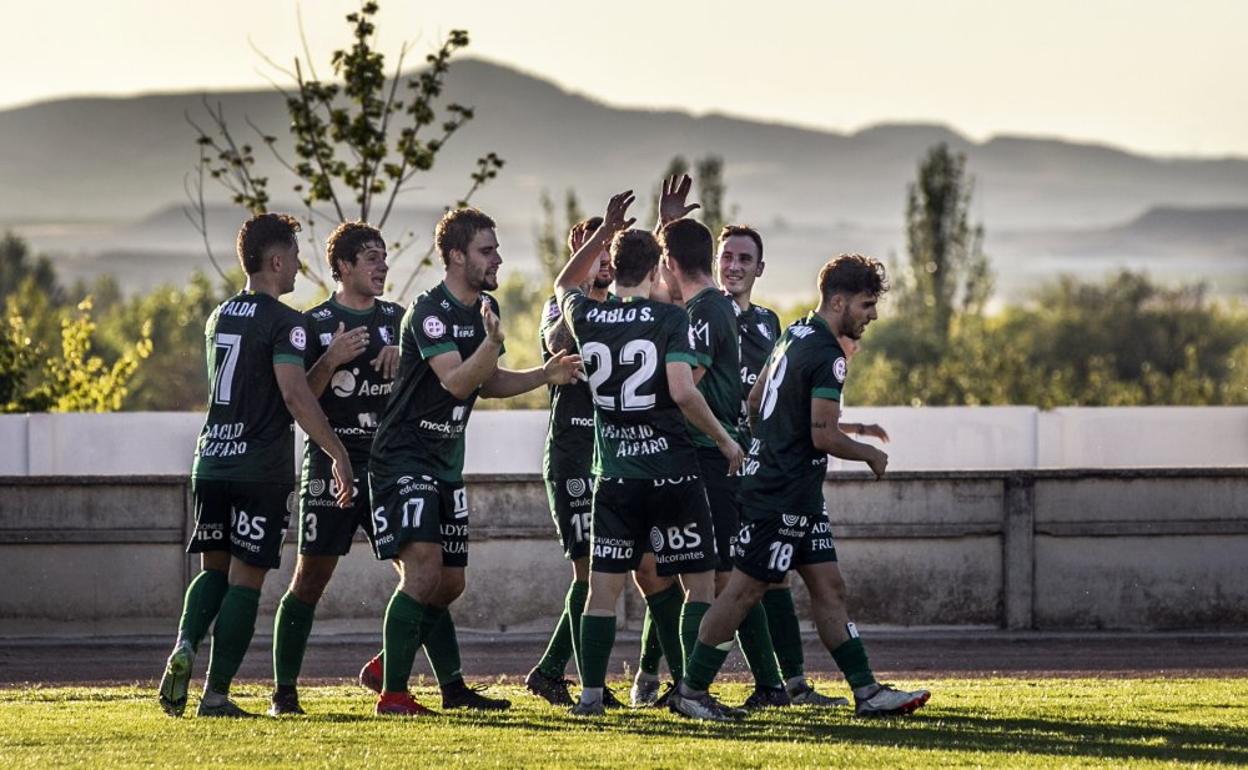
303, 406
695, 409
577, 271
387, 362
559, 337
461, 376
826, 435
343, 347
672, 205
865, 429
560, 369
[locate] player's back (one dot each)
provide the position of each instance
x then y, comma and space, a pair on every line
784, 470
639, 430
248, 434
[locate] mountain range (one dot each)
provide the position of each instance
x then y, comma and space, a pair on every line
90, 178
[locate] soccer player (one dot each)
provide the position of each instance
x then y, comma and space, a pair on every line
242, 481
795, 411
739, 264
647, 491
353, 356
449, 345
566, 464
688, 252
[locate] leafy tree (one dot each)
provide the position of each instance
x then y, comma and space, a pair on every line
552, 237
947, 272
358, 142
709, 176
17, 266
76, 380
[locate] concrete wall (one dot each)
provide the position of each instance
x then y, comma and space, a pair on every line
952, 438
1112, 549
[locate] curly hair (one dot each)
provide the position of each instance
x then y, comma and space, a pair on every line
852, 274
347, 241
260, 233
586, 228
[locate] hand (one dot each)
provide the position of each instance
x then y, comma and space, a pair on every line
387, 362
561, 368
672, 200
873, 430
617, 210
346, 345
493, 328
579, 236
345, 480
878, 462
731, 450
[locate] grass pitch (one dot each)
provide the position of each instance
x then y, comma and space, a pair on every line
969, 722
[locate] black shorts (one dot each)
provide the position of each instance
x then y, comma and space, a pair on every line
420, 509
669, 517
246, 518
770, 544
721, 493
570, 503
324, 528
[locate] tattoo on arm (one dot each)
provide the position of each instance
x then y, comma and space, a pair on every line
819, 425
560, 338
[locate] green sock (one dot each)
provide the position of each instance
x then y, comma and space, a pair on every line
704, 663
236, 623
786, 634
201, 604
442, 645
291, 627
563, 641
690, 618
400, 639
665, 608
851, 658
651, 649
755, 640
597, 639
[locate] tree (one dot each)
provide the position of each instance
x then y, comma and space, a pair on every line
76, 380
17, 265
358, 141
947, 271
709, 175
552, 236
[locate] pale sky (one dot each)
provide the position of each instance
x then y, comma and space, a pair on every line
1157, 76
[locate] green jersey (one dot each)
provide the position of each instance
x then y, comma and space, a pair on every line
422, 427
639, 432
356, 394
784, 471
569, 449
759, 329
713, 333
248, 434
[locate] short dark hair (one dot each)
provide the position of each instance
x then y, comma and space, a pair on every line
852, 274
347, 241
260, 233
634, 253
456, 230
690, 244
749, 232
586, 226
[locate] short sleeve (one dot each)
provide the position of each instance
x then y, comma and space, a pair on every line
316, 343
680, 341
431, 331
701, 340
290, 338
828, 377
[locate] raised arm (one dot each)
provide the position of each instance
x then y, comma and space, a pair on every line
826, 435
672, 198
292, 381
694, 407
579, 266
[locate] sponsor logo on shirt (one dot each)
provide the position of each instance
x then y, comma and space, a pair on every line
298, 338
323, 314
387, 337
801, 331
464, 332
576, 487
838, 368
764, 330
433, 326
326, 338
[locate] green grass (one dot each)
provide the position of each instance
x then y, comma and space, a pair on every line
969, 722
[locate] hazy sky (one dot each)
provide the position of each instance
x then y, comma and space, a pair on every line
1157, 76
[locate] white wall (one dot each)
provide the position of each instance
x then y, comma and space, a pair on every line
928, 438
